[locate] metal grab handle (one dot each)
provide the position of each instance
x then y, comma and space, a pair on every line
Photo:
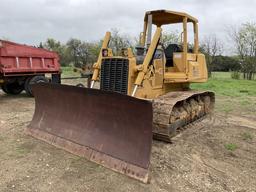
134, 90
92, 84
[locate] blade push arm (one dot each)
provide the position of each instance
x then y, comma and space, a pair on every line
147, 59
96, 66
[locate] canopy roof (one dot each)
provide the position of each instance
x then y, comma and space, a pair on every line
163, 17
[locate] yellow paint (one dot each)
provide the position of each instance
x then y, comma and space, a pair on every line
153, 77
96, 66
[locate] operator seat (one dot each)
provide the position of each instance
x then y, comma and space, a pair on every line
168, 51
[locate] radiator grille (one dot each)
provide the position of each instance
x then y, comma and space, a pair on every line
114, 75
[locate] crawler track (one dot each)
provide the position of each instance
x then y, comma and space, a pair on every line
174, 111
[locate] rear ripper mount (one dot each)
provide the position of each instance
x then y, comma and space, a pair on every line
111, 129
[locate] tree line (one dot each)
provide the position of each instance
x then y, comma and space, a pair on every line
80, 53
244, 59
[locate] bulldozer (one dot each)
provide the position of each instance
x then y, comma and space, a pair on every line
132, 98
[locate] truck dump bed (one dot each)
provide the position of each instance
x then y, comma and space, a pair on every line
17, 59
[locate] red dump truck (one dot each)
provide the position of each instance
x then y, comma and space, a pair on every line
22, 65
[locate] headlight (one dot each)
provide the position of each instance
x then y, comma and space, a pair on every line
104, 52
125, 52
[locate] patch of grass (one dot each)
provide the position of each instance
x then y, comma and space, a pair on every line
231, 146
234, 93
246, 102
69, 72
246, 136
222, 84
235, 75
22, 151
222, 75
227, 109
18, 152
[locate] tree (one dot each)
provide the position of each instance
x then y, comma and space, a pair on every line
82, 53
53, 45
41, 45
226, 63
119, 41
170, 37
211, 47
245, 42
74, 50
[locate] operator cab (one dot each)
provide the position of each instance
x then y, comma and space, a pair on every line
141, 53
175, 53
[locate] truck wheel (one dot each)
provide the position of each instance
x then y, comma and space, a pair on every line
4, 89
34, 80
13, 88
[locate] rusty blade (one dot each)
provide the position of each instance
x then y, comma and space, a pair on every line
108, 128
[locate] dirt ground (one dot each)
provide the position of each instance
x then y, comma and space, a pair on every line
219, 154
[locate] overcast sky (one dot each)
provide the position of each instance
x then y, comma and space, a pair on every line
33, 21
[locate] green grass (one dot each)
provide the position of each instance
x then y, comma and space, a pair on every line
231, 146
221, 75
234, 94
69, 72
222, 84
247, 136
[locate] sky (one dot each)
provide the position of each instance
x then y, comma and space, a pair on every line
33, 21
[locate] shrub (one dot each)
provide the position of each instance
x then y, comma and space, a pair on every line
235, 75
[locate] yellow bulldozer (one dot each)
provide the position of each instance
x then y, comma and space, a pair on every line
140, 96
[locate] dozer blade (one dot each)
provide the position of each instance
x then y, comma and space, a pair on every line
111, 129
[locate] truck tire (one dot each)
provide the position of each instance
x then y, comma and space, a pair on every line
12, 88
34, 80
4, 89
